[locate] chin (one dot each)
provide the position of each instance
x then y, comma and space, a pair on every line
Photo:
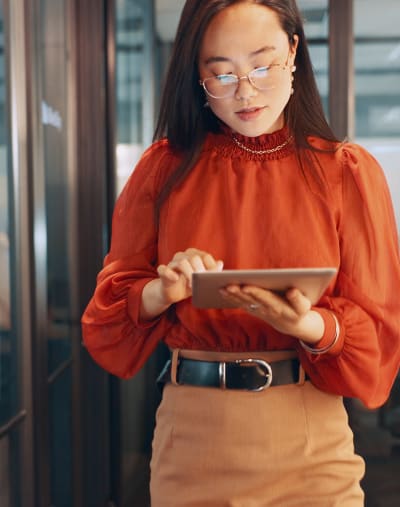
255, 129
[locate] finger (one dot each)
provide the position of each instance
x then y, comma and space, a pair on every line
210, 263
178, 256
229, 294
274, 306
219, 266
236, 296
279, 309
175, 269
193, 255
267, 297
197, 264
193, 251
300, 303
185, 268
167, 274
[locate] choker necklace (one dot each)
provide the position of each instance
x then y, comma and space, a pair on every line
262, 152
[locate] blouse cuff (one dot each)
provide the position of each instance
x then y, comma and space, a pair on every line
332, 339
134, 302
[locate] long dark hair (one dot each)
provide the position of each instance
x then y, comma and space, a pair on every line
184, 120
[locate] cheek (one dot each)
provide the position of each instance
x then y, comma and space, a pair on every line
220, 107
281, 95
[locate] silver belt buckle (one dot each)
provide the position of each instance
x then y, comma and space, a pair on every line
266, 367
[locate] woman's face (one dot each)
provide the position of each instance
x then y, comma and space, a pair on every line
243, 37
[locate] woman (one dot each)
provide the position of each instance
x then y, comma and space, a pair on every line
250, 175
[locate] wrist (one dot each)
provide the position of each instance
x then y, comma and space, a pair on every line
328, 342
312, 328
153, 302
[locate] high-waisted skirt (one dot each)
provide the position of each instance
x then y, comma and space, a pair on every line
286, 446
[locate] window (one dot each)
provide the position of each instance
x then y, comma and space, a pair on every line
316, 24
377, 82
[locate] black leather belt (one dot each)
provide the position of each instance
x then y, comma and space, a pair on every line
245, 374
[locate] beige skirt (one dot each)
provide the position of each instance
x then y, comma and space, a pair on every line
286, 446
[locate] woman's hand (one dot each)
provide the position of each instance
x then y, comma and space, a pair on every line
291, 314
175, 281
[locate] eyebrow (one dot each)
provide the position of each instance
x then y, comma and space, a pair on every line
214, 59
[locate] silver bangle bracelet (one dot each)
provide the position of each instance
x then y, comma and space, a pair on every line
315, 351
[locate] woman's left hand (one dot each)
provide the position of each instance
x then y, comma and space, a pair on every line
291, 314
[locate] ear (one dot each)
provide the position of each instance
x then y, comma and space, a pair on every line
293, 49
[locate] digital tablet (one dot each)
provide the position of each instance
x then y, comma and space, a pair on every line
312, 282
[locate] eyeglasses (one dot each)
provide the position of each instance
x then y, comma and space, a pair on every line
225, 85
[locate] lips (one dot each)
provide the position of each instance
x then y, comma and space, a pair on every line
250, 113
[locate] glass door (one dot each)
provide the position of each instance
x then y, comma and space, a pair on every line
52, 224
16, 462
9, 381
53, 400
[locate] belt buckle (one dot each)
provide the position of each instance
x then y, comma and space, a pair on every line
266, 366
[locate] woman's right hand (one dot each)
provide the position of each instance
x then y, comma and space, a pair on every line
175, 281
176, 276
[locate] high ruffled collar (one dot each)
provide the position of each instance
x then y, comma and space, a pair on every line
271, 146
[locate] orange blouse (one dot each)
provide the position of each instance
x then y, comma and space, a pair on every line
258, 211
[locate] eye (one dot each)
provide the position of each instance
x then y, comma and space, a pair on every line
226, 79
260, 72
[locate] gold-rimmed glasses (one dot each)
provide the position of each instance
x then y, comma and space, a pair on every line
225, 85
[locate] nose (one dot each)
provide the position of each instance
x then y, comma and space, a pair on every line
245, 90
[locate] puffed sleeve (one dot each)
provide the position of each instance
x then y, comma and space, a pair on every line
366, 301
112, 332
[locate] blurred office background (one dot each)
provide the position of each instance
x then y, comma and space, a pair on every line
79, 91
